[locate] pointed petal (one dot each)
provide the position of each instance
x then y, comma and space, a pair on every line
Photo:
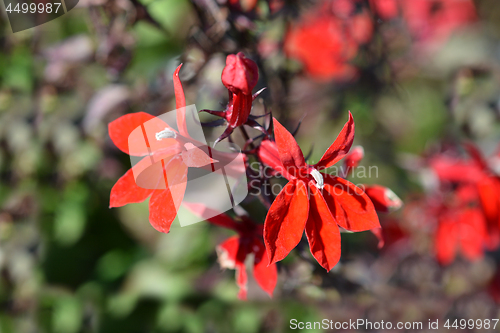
489, 190
383, 199
126, 191
380, 236
322, 232
266, 276
352, 159
352, 208
227, 252
445, 242
472, 234
340, 147
290, 153
242, 105
242, 281
285, 221
180, 104
164, 204
120, 129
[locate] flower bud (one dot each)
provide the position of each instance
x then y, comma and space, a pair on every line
240, 74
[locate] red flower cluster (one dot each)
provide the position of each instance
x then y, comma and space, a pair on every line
327, 38
312, 201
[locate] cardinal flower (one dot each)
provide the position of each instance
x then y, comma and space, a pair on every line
240, 77
162, 173
315, 202
234, 251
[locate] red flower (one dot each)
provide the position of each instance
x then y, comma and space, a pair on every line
240, 77
315, 202
234, 251
327, 38
162, 173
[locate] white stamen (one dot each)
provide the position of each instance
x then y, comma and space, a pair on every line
318, 177
167, 133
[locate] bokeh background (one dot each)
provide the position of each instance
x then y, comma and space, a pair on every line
70, 264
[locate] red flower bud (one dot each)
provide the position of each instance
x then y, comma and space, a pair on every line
240, 74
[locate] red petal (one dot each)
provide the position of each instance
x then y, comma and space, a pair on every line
266, 276
352, 159
351, 207
340, 147
446, 242
126, 191
242, 105
180, 104
120, 129
472, 233
286, 220
488, 189
164, 204
380, 236
383, 199
269, 155
227, 252
290, 153
322, 232
242, 281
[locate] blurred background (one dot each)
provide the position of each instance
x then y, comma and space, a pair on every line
420, 77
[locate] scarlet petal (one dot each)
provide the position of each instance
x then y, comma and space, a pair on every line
180, 103
242, 281
266, 276
472, 233
322, 232
286, 220
489, 190
164, 204
352, 208
340, 147
446, 241
227, 252
380, 236
120, 129
242, 105
290, 153
383, 199
126, 191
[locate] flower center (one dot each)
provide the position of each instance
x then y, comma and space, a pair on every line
167, 133
318, 177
